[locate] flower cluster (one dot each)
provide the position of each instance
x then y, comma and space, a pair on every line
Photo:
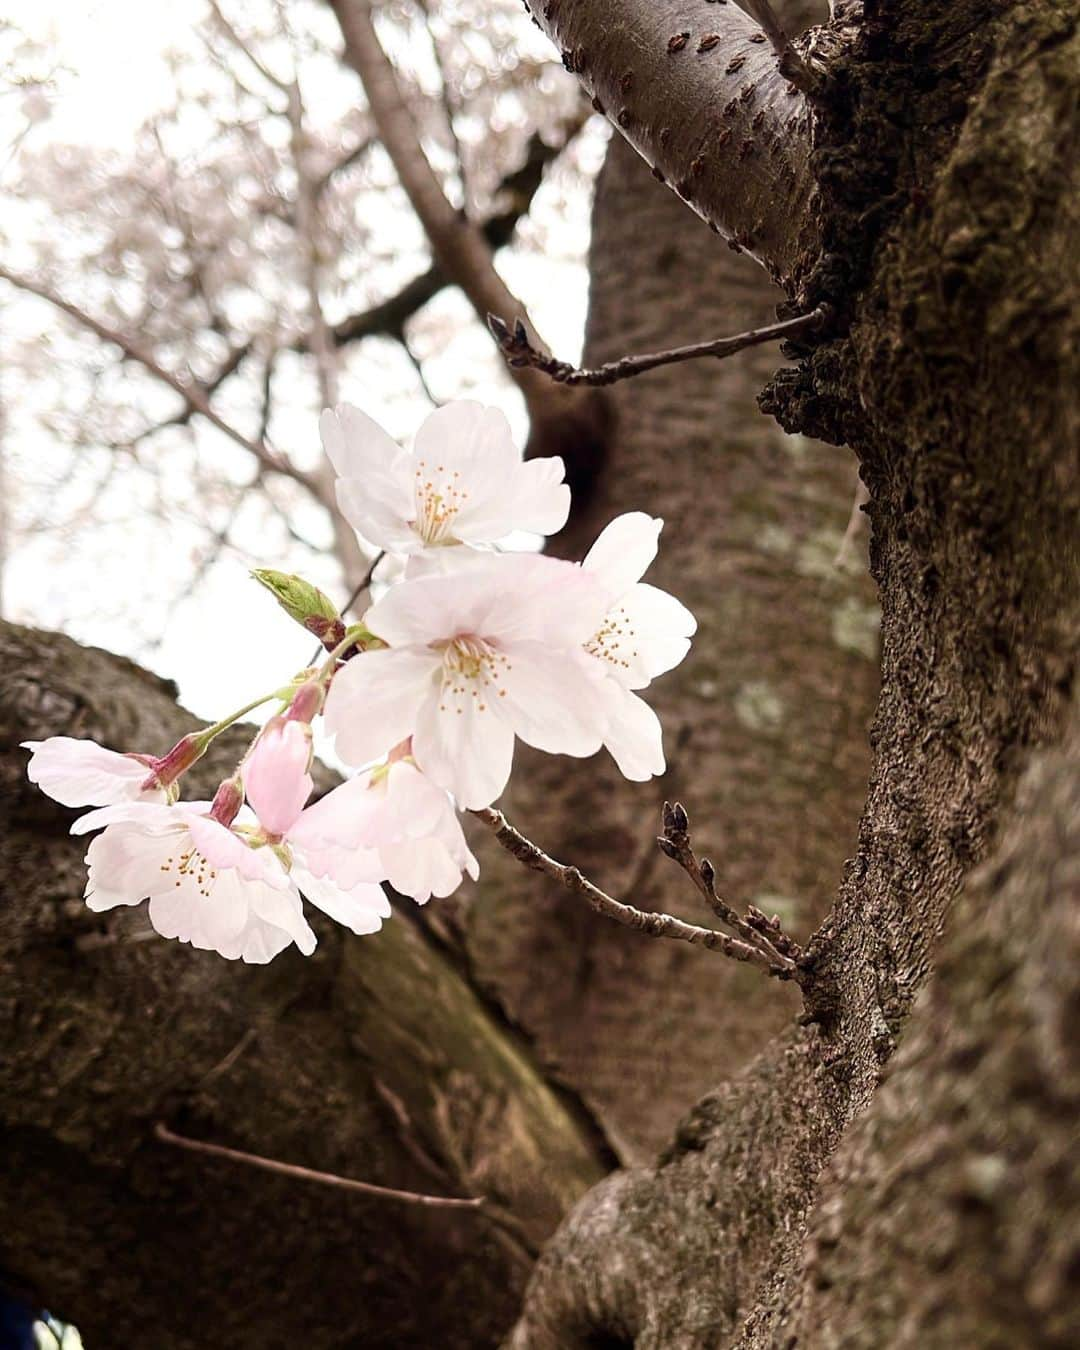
471, 650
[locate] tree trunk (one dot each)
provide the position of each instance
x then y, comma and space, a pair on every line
786, 655
797, 1204
374, 1059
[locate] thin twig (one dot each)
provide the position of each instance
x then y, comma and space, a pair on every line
675, 844
651, 923
246, 48
191, 391
167, 1136
519, 351
792, 66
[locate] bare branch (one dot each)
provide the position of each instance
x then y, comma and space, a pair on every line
167, 1136
347, 160
388, 317
697, 93
675, 844
651, 923
519, 351
459, 247
320, 343
193, 393
246, 48
792, 66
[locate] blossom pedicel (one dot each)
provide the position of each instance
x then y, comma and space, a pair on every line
473, 649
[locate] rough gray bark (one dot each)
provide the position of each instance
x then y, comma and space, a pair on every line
374, 1059
948, 177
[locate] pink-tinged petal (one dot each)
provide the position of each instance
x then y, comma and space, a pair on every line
421, 868
261, 942
361, 908
468, 752
469, 437
413, 806
531, 497
339, 817
125, 864
282, 910
634, 737
345, 867
623, 552
555, 700
442, 562
660, 628
276, 776
357, 446
510, 596
224, 850
82, 773
381, 512
373, 700
152, 817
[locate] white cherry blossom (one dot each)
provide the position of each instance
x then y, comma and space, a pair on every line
205, 885
391, 823
77, 772
278, 784
463, 483
645, 632
233, 889
493, 651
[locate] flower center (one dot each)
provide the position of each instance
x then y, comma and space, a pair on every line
472, 670
439, 496
614, 639
191, 866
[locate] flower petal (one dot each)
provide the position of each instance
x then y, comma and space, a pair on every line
623, 552
373, 701
281, 909
224, 850
360, 908
555, 700
77, 772
466, 751
357, 446
634, 737
126, 862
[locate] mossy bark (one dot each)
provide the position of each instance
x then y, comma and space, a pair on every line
374, 1059
800, 1204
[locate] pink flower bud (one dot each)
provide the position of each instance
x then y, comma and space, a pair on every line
227, 802
307, 702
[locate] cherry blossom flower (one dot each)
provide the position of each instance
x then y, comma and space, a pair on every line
645, 632
205, 885
278, 785
82, 773
463, 483
231, 888
473, 659
391, 823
